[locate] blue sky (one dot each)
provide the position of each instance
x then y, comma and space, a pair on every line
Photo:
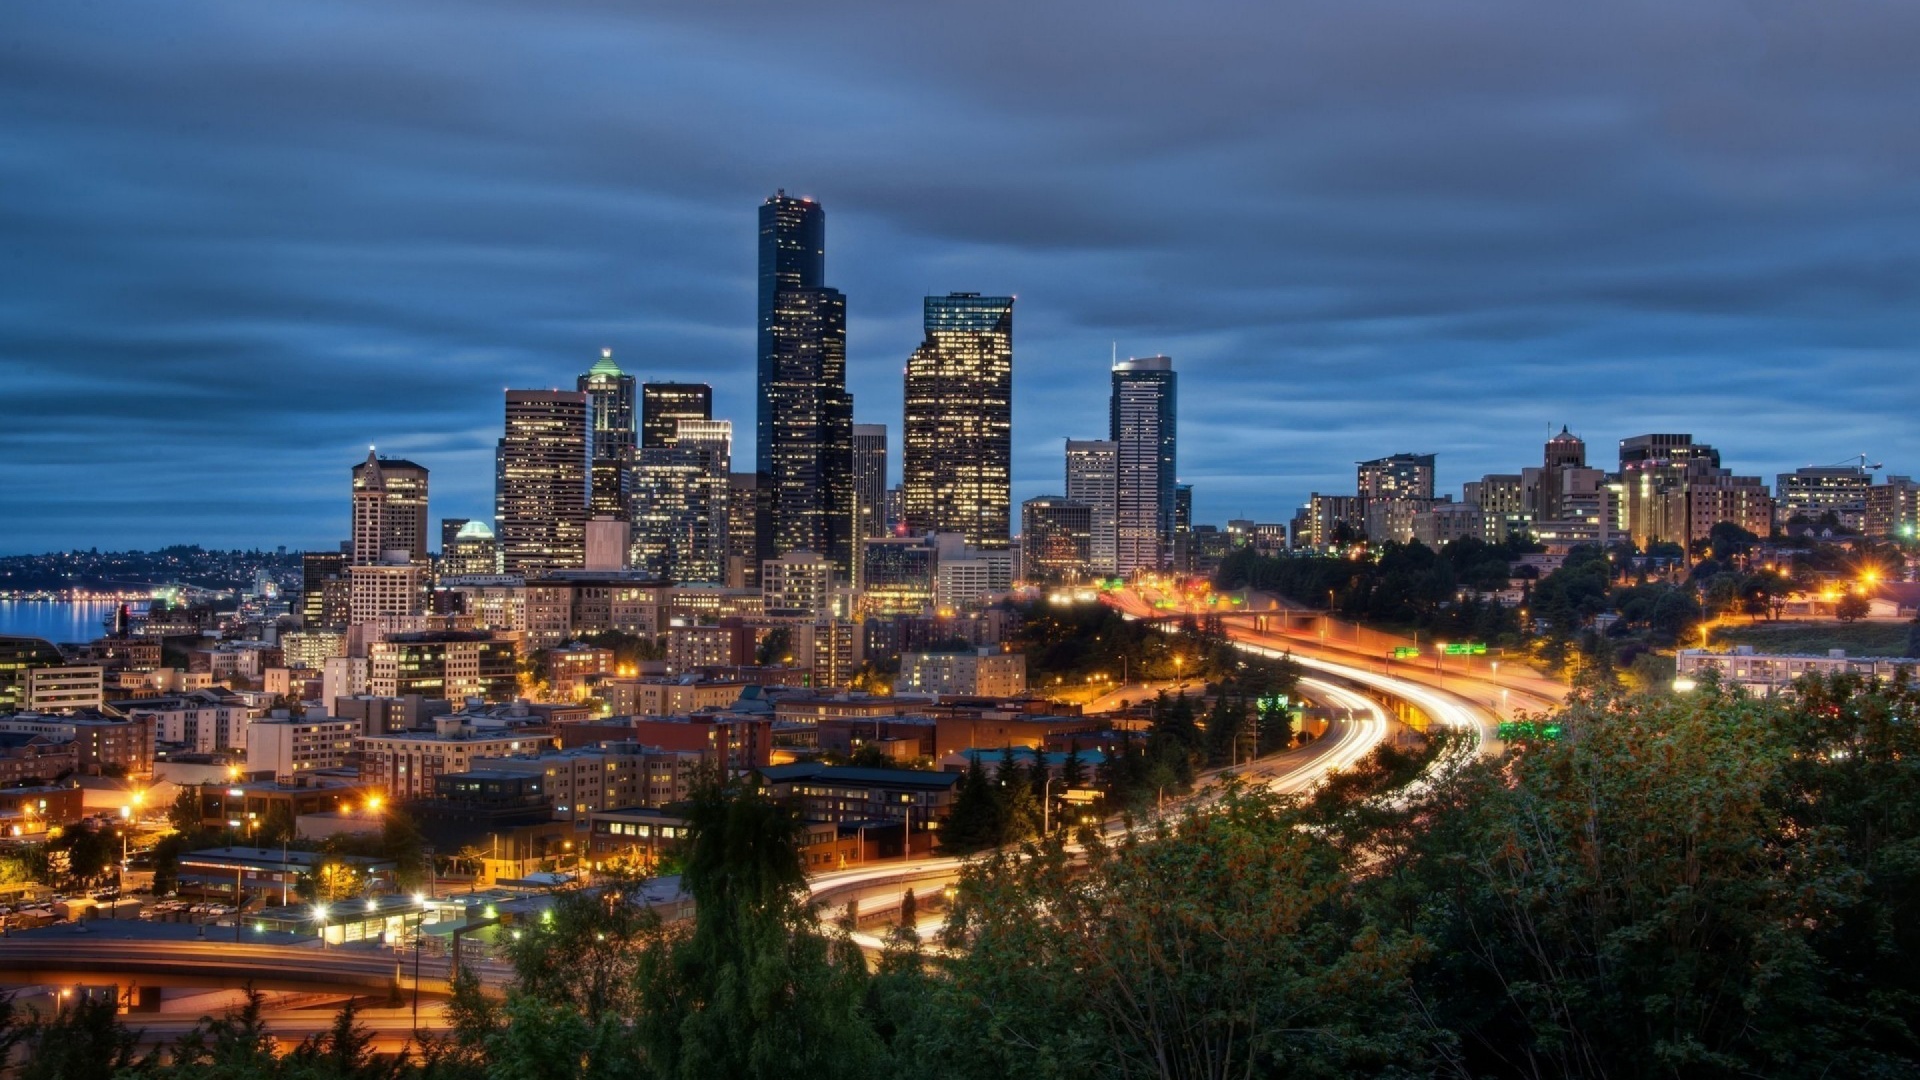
239, 242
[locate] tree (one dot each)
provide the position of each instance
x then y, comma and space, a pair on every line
1073, 772
1230, 946
756, 989
1851, 607
83, 1039
774, 647
974, 821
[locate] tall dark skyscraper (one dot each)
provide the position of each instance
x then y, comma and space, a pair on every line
804, 425
610, 399
542, 504
957, 442
1142, 417
869, 480
664, 404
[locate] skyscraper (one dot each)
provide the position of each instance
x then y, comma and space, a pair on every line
804, 425
543, 498
1093, 475
664, 404
870, 480
389, 509
681, 515
610, 401
957, 442
1142, 418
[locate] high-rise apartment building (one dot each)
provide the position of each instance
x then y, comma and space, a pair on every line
1673, 490
870, 480
804, 426
1812, 492
1397, 476
798, 581
1893, 510
1142, 416
1093, 478
542, 501
664, 404
957, 441
389, 509
609, 394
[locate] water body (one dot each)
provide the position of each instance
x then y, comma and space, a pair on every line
56, 621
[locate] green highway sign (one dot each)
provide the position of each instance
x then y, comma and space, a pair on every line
1466, 648
1404, 651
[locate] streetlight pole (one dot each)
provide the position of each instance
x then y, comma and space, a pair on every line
420, 922
1046, 803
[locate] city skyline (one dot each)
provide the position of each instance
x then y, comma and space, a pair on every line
1457, 271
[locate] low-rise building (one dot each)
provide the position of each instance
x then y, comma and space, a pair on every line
843, 795
675, 696
237, 874
201, 721
27, 758
725, 741
581, 780
407, 763
285, 748
450, 664
1769, 672
974, 673
67, 688
102, 744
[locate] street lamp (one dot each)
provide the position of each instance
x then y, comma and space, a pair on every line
320, 917
1046, 804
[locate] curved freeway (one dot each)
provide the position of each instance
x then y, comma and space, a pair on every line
878, 886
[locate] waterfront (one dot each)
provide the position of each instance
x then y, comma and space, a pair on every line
55, 620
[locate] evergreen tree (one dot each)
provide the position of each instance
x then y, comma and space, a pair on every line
973, 823
1073, 773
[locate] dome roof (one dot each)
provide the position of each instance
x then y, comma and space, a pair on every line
474, 530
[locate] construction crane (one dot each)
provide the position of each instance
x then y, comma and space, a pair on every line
1861, 459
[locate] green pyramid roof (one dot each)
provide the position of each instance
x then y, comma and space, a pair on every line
605, 366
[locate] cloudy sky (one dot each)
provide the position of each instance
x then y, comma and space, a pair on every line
241, 241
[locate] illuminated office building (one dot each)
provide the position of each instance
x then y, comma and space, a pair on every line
1056, 540
804, 424
1142, 415
682, 518
610, 409
870, 480
664, 404
389, 509
1093, 477
957, 441
541, 504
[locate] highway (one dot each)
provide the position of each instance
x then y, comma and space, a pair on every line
1348, 740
